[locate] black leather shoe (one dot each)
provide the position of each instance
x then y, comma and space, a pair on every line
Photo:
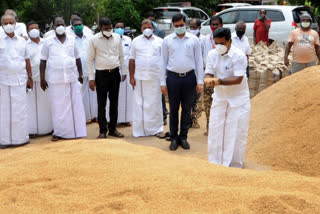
174, 145
116, 134
4, 146
184, 144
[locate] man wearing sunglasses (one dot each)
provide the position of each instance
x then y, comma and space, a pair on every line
181, 75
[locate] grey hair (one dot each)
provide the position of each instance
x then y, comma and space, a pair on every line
240, 23
146, 21
5, 16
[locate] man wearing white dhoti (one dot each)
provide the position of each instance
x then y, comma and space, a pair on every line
64, 74
125, 90
15, 77
144, 67
89, 97
39, 112
230, 110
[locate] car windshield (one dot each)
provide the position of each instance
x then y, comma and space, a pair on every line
300, 11
165, 13
222, 7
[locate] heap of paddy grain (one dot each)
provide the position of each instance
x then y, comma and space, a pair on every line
266, 66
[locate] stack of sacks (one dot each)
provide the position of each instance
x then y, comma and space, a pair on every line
266, 67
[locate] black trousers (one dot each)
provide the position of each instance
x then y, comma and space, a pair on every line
107, 85
181, 91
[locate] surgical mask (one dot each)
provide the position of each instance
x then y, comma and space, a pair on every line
9, 28
240, 33
148, 32
180, 30
119, 31
60, 30
305, 24
34, 33
195, 32
154, 24
107, 33
78, 29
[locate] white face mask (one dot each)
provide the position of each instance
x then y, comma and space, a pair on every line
34, 33
9, 28
195, 32
107, 33
221, 49
305, 24
147, 32
60, 30
180, 30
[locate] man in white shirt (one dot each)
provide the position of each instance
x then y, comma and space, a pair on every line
20, 28
181, 75
39, 111
145, 65
125, 91
240, 41
105, 50
15, 77
64, 74
89, 97
195, 27
230, 111
207, 45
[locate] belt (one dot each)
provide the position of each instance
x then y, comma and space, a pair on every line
110, 70
181, 74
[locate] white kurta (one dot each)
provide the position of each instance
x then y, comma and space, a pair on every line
125, 90
68, 114
39, 112
147, 103
230, 110
89, 97
13, 102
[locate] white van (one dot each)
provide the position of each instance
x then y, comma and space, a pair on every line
283, 20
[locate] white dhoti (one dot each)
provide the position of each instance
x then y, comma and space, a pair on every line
228, 132
67, 109
13, 115
125, 102
90, 102
39, 112
147, 108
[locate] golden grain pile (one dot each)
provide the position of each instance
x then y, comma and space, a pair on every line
266, 67
113, 176
285, 124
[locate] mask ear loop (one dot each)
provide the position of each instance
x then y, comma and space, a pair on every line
228, 45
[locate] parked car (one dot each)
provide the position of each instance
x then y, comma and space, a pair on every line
222, 7
283, 20
165, 14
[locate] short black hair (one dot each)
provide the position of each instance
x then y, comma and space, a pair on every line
117, 22
198, 22
150, 14
222, 33
76, 19
104, 21
76, 13
216, 18
177, 17
55, 17
31, 23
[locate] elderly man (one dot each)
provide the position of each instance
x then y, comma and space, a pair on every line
230, 110
20, 28
145, 63
105, 50
207, 45
85, 30
15, 77
64, 73
181, 75
39, 111
305, 43
89, 97
261, 28
240, 41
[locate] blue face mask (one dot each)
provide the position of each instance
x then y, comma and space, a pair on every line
119, 31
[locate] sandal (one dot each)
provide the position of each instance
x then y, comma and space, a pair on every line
160, 135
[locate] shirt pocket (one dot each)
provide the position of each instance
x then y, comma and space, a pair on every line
156, 50
189, 50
